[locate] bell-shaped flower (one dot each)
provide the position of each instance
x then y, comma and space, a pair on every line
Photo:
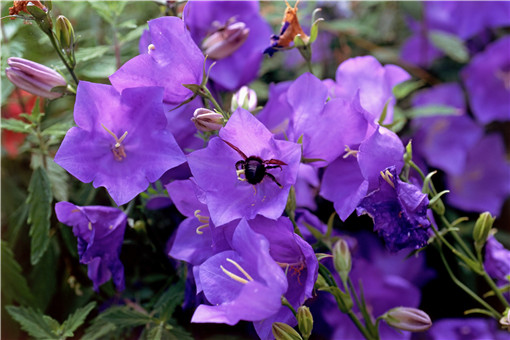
487, 81
172, 59
485, 182
120, 141
466, 328
497, 261
244, 283
233, 34
245, 171
399, 211
100, 232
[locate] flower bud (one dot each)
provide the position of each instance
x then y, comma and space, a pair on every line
505, 320
225, 40
65, 33
342, 258
482, 228
320, 283
206, 120
34, 78
407, 319
282, 331
245, 98
305, 321
41, 16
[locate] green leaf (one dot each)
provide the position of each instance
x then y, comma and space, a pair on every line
432, 110
298, 41
14, 284
58, 130
32, 321
125, 317
76, 319
99, 329
58, 177
88, 53
402, 90
170, 299
314, 31
156, 332
16, 125
451, 45
35, 115
39, 201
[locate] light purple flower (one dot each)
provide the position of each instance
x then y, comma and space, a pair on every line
487, 80
100, 232
173, 59
120, 141
244, 283
214, 169
399, 211
466, 329
485, 182
444, 140
374, 82
497, 261
242, 62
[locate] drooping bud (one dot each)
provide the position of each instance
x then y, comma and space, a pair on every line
505, 320
342, 259
245, 98
305, 321
407, 319
282, 331
225, 40
34, 78
482, 229
206, 120
65, 33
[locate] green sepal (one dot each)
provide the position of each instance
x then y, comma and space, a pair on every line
450, 44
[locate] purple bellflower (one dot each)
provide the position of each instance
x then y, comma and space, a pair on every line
233, 34
172, 59
120, 141
465, 329
497, 261
444, 140
487, 80
244, 283
399, 211
485, 182
100, 232
374, 82
221, 171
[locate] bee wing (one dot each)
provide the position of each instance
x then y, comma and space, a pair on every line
275, 161
236, 148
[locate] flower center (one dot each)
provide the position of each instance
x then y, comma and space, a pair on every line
237, 277
225, 40
202, 219
388, 177
118, 149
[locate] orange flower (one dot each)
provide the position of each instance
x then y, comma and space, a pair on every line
21, 6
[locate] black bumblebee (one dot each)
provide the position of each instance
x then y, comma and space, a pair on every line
254, 168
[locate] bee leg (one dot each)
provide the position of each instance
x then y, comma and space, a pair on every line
274, 179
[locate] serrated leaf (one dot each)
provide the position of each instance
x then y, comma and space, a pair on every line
134, 34
52, 323
156, 332
99, 330
59, 178
451, 45
170, 299
402, 90
16, 125
76, 319
35, 115
125, 317
31, 321
431, 110
39, 213
58, 130
88, 53
14, 284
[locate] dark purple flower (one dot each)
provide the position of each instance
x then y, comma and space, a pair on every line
466, 329
120, 141
444, 140
373, 81
485, 182
307, 186
399, 211
497, 261
487, 80
182, 128
100, 232
350, 178
305, 220
234, 36
244, 283
229, 195
419, 50
173, 59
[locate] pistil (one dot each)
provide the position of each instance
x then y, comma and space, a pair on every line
118, 149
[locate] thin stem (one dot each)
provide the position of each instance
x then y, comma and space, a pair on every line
417, 168
495, 289
209, 96
116, 47
494, 313
62, 57
458, 239
286, 303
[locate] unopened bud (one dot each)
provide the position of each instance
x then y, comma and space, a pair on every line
342, 258
305, 321
482, 229
225, 40
282, 331
320, 283
408, 319
505, 320
206, 120
65, 33
34, 78
245, 98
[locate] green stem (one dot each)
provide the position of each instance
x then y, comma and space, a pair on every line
495, 289
62, 57
286, 303
209, 96
458, 239
417, 168
494, 313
